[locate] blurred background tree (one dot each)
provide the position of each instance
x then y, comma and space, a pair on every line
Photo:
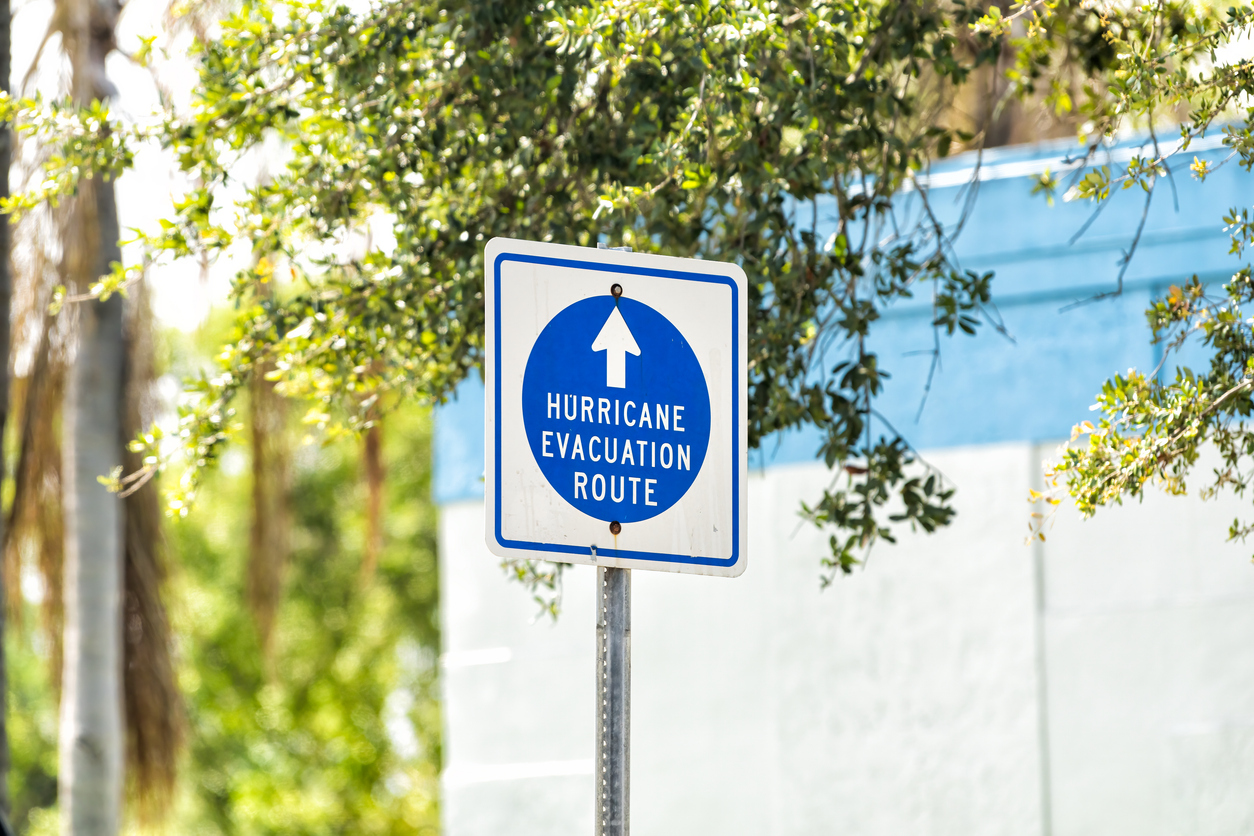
337, 728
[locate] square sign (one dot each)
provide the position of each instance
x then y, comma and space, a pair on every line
616, 408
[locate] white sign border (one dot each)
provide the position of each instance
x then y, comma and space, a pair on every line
500, 250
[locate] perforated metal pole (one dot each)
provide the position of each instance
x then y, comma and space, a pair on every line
613, 701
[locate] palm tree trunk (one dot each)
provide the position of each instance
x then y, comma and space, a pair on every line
91, 763
92, 753
6, 295
269, 545
153, 706
376, 473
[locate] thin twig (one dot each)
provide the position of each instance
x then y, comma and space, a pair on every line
1124, 262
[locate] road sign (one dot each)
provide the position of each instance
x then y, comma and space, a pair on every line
616, 408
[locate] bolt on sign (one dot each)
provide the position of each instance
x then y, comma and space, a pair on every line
616, 408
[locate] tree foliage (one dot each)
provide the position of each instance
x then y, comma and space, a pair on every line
699, 130
337, 728
1181, 61
716, 130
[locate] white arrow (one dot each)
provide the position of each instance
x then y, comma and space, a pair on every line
616, 340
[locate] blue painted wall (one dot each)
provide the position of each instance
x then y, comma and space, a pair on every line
1040, 382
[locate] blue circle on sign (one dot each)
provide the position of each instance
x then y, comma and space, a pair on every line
616, 409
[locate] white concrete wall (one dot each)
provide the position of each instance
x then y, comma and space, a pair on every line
904, 699
1150, 651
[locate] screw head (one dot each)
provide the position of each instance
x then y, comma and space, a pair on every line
616, 290
615, 528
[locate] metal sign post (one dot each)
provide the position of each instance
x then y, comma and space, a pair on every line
612, 764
